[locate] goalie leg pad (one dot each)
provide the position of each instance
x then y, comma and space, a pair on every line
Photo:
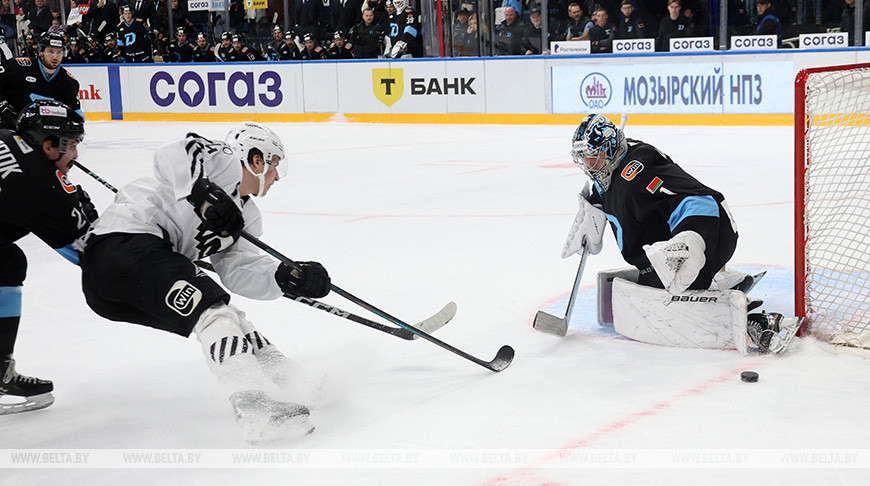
693, 319
605, 291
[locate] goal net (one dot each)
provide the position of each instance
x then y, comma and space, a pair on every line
832, 203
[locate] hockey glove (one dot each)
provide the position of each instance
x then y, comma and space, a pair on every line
217, 210
678, 260
7, 116
86, 207
308, 280
588, 227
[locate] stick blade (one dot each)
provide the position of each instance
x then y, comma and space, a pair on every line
437, 321
550, 324
502, 359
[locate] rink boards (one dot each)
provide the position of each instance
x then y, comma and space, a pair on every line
718, 88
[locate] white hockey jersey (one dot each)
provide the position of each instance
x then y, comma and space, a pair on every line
158, 206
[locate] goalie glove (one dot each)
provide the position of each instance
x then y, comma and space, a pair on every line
398, 49
308, 279
588, 227
678, 260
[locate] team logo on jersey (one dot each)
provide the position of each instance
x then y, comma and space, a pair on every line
30, 79
23, 61
388, 85
654, 185
183, 297
632, 170
64, 182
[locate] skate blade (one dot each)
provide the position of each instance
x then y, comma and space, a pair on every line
10, 404
789, 326
550, 324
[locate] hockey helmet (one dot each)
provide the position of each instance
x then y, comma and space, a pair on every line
237, 38
50, 119
111, 36
226, 36
308, 37
50, 39
288, 35
338, 35
249, 136
180, 31
276, 28
598, 147
400, 5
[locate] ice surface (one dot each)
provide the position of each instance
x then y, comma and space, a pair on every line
409, 217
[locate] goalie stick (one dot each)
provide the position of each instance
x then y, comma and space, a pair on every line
551, 324
502, 359
428, 325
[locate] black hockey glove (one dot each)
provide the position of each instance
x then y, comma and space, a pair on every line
8, 119
309, 280
86, 206
217, 210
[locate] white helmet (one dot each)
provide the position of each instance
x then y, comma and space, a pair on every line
248, 136
400, 5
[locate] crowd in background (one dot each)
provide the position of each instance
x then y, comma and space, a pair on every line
139, 30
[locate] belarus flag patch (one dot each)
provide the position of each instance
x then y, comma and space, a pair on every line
654, 185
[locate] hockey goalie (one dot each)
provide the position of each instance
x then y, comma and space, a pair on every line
677, 234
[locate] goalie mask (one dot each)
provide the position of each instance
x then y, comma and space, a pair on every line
248, 137
598, 147
400, 5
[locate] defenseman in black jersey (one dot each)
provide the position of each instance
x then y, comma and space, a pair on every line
339, 49
311, 51
23, 80
241, 52
134, 38
203, 51
288, 51
111, 50
35, 197
223, 50
678, 234
180, 50
404, 27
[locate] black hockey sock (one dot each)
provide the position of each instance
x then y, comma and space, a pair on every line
8, 332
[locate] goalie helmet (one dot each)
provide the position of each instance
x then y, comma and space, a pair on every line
598, 147
400, 5
49, 119
246, 137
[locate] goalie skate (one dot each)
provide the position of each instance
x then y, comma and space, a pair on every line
772, 333
263, 419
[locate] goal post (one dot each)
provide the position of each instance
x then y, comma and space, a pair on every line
832, 202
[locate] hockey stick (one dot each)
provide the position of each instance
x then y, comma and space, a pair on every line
502, 359
431, 324
551, 324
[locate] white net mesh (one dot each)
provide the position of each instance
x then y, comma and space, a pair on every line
837, 205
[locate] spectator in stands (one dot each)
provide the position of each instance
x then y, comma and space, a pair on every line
602, 33
203, 52
768, 22
180, 50
631, 26
7, 20
311, 51
578, 24
514, 4
673, 25
512, 36
305, 16
144, 11
367, 37
847, 19
349, 13
111, 50
103, 15
535, 32
181, 18
339, 49
39, 16
464, 36
56, 26
242, 52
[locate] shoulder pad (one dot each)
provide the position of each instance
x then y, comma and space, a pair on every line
69, 74
23, 61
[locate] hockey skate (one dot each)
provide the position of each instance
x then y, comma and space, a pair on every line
263, 419
19, 393
772, 332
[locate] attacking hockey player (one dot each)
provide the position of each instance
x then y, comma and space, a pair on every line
35, 197
24, 80
138, 265
678, 234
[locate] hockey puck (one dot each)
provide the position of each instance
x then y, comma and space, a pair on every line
749, 376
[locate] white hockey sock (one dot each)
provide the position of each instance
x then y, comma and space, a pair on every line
230, 356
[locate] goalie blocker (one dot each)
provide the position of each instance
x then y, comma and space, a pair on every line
710, 319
